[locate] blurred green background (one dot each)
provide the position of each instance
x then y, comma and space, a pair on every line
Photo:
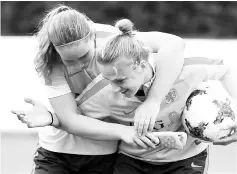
213, 19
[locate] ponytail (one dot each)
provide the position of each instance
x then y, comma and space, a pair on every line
46, 56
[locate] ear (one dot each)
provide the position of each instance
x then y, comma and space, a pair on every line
134, 66
139, 66
143, 64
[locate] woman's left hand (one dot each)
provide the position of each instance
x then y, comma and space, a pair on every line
230, 139
145, 116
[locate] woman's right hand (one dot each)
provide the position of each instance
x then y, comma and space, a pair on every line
130, 136
38, 116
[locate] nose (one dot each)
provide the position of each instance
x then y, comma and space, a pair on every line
115, 87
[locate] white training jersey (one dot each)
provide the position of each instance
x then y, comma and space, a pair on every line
57, 140
99, 94
195, 71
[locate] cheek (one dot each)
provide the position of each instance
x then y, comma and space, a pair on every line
89, 57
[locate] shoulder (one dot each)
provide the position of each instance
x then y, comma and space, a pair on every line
151, 35
56, 84
155, 39
202, 69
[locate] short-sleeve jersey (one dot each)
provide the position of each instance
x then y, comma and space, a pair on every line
98, 99
194, 72
61, 83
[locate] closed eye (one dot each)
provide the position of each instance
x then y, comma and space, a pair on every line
83, 57
120, 81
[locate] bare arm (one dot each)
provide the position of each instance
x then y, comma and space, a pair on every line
229, 82
77, 124
72, 122
169, 63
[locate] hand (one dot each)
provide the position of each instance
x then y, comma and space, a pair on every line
129, 136
230, 139
145, 116
38, 116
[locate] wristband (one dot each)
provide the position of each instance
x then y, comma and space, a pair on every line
51, 117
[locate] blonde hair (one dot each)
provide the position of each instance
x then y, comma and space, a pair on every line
124, 44
60, 26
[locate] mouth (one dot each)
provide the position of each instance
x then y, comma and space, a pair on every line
124, 91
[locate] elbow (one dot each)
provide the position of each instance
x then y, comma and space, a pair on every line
66, 126
66, 123
179, 42
69, 130
73, 125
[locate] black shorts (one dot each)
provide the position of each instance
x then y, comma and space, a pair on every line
47, 162
193, 165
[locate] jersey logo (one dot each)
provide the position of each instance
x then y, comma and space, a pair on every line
158, 125
171, 96
129, 112
174, 118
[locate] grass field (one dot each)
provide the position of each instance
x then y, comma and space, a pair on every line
18, 79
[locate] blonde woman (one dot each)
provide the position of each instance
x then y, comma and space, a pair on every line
66, 60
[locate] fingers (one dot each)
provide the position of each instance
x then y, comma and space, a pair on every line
153, 138
152, 124
143, 126
140, 143
148, 142
228, 140
26, 120
22, 118
146, 124
136, 122
30, 101
18, 112
224, 142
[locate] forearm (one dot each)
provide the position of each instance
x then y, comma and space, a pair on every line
89, 127
93, 128
169, 63
71, 120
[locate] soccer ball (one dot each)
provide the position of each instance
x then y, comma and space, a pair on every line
209, 112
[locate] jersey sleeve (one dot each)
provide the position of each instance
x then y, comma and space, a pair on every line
58, 84
193, 74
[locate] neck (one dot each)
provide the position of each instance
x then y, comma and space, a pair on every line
148, 73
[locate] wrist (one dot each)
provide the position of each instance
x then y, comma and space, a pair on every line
54, 120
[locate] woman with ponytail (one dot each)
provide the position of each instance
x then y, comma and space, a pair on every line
66, 60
